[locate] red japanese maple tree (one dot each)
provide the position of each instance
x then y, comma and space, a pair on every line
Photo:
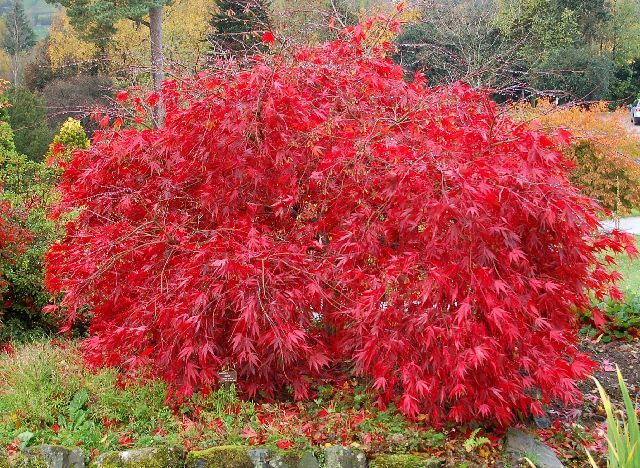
320, 212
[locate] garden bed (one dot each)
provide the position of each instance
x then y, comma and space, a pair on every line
47, 396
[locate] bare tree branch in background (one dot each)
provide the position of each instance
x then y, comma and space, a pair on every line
518, 49
459, 41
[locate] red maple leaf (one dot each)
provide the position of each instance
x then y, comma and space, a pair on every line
285, 444
125, 440
268, 37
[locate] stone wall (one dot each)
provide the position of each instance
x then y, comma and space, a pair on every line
336, 456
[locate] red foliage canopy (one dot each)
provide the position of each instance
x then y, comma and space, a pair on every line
319, 212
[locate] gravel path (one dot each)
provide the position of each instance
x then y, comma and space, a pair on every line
629, 124
630, 225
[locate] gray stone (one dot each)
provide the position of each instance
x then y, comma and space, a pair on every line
433, 462
259, 457
151, 457
294, 459
308, 460
338, 456
55, 456
520, 445
542, 422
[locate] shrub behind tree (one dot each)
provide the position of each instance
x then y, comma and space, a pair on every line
26, 234
574, 74
28, 118
76, 97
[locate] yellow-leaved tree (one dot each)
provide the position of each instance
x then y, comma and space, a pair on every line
65, 47
5, 58
605, 151
185, 28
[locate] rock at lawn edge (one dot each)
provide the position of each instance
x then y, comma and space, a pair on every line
259, 457
151, 457
338, 456
51, 456
225, 456
521, 445
294, 459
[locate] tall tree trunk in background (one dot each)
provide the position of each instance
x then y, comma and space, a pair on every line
157, 59
15, 55
14, 68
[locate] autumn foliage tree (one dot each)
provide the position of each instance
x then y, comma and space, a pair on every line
319, 213
604, 153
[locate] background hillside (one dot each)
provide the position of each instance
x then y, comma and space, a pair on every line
40, 14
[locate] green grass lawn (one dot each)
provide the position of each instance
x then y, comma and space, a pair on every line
630, 271
622, 318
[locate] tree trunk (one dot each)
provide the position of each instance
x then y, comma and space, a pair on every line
157, 60
14, 68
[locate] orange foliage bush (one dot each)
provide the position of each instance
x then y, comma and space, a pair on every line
605, 151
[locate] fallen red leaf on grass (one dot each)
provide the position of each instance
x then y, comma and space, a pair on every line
125, 440
285, 444
248, 433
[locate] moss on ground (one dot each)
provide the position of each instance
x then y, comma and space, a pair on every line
293, 458
403, 461
289, 456
157, 457
26, 462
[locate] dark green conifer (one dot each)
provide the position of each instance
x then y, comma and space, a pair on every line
238, 27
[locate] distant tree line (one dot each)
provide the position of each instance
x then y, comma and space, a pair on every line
571, 50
